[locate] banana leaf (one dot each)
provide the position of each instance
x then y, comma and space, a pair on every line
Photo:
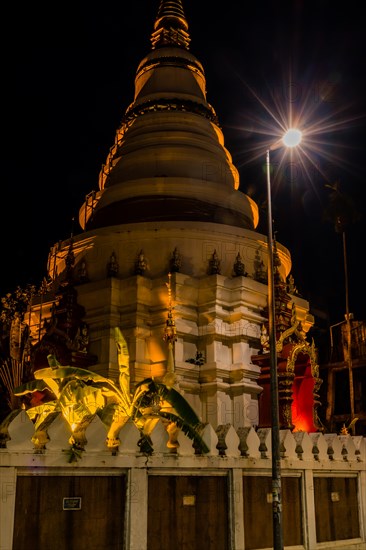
78, 439
39, 413
193, 432
179, 404
63, 373
146, 424
69, 372
78, 400
114, 416
33, 386
173, 407
43, 416
143, 394
147, 389
123, 363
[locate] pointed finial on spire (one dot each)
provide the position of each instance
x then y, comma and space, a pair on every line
170, 330
170, 27
170, 336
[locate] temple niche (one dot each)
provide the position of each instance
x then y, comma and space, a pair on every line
298, 387
297, 368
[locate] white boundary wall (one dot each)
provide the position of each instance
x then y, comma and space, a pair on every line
232, 452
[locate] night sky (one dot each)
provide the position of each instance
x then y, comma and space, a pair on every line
70, 71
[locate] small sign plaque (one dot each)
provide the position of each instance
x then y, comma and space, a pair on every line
71, 503
189, 500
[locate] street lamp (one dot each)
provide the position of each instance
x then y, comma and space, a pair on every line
290, 139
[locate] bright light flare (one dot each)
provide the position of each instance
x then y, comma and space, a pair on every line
292, 137
320, 152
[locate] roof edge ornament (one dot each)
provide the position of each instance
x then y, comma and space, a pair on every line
170, 27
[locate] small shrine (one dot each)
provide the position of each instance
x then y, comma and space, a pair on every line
64, 334
297, 367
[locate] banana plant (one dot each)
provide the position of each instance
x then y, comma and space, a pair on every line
79, 395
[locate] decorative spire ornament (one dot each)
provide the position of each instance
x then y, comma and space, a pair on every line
175, 261
140, 264
239, 267
214, 264
112, 266
171, 27
170, 336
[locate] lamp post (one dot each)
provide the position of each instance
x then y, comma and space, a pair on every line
290, 139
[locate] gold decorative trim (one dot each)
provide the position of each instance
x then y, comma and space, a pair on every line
295, 329
306, 349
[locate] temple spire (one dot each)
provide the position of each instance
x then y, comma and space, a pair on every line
170, 27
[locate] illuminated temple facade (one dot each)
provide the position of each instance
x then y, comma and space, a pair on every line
169, 258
